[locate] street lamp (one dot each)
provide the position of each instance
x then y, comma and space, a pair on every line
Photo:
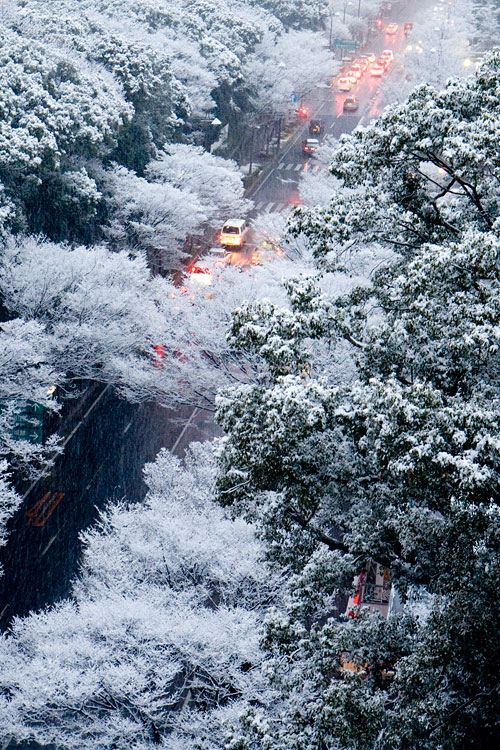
331, 14
346, 3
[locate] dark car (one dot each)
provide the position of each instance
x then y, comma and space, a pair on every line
310, 145
315, 127
350, 104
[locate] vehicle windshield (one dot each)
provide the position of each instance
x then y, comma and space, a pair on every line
230, 229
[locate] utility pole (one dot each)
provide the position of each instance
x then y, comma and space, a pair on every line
252, 135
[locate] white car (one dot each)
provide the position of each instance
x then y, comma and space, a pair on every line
234, 233
388, 53
377, 70
343, 84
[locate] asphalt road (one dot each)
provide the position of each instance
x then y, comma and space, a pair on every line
109, 440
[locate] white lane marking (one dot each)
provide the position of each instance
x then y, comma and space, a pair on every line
96, 472
49, 544
127, 428
299, 167
92, 406
193, 414
259, 205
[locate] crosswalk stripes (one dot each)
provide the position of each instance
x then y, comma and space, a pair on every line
297, 167
271, 206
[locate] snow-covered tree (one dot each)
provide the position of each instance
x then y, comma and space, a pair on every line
397, 464
159, 642
290, 64
184, 191
215, 182
9, 502
84, 86
92, 304
73, 313
57, 114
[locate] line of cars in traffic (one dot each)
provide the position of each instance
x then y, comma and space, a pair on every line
364, 64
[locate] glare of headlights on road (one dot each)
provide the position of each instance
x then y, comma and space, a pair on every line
467, 62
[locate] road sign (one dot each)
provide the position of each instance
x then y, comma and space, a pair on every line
346, 43
28, 423
293, 97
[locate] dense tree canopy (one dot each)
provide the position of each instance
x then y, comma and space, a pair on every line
362, 425
102, 108
87, 86
397, 464
158, 645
